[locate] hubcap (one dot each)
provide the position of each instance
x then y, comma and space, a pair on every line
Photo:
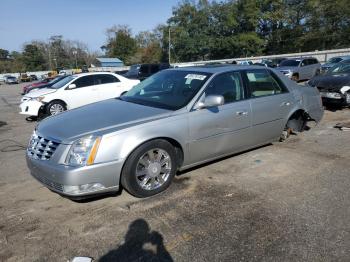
153, 169
56, 109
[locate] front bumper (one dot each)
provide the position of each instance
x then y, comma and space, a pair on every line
30, 107
342, 100
57, 177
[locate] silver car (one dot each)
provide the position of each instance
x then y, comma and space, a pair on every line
300, 68
174, 120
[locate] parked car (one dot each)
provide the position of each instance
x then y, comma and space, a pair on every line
274, 62
24, 77
11, 80
142, 71
74, 91
245, 62
300, 68
33, 78
334, 85
174, 120
41, 84
332, 61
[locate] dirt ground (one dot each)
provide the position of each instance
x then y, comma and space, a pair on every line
283, 202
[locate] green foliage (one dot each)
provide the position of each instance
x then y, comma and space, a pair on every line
120, 43
4, 54
32, 58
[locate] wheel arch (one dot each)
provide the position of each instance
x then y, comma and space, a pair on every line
297, 120
178, 149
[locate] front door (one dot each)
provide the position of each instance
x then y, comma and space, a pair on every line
220, 130
84, 93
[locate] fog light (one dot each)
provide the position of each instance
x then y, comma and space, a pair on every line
87, 188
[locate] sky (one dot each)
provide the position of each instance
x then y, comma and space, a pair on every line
22, 21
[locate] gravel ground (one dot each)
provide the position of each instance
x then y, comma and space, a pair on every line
282, 202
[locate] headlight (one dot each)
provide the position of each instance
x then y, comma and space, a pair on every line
39, 98
83, 151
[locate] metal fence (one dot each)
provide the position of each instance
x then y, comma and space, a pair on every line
322, 56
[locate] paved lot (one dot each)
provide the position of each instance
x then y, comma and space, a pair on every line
283, 202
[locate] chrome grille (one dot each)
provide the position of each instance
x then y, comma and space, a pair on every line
41, 148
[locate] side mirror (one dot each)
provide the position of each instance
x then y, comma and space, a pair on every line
72, 86
210, 101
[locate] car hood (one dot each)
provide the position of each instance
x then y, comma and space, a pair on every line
99, 118
38, 84
286, 68
330, 82
41, 92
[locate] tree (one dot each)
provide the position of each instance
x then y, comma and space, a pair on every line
120, 43
4, 54
33, 58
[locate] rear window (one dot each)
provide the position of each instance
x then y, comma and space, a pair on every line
290, 62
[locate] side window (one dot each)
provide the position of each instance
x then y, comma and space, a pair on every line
304, 62
84, 81
264, 83
105, 79
228, 85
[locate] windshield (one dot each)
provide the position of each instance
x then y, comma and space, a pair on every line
55, 80
334, 60
341, 68
169, 89
62, 82
290, 63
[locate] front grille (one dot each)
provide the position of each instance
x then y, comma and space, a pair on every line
49, 183
41, 148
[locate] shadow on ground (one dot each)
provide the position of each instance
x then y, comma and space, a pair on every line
140, 244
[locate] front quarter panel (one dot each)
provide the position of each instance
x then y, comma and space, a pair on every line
119, 145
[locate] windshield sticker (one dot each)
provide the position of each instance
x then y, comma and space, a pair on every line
195, 76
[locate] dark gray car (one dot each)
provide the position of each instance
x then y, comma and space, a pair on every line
174, 120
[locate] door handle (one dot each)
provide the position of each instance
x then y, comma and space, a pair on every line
286, 104
241, 113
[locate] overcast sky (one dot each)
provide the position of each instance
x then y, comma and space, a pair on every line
84, 20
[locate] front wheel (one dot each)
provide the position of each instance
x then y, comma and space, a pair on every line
55, 107
150, 169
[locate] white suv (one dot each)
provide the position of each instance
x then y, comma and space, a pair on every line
75, 91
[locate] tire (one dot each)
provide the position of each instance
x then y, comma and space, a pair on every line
295, 77
150, 169
55, 107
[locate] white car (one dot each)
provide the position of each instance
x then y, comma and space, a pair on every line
75, 91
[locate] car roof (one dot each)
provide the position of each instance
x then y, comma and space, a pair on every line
92, 73
216, 68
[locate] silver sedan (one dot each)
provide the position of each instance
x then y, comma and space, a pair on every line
174, 120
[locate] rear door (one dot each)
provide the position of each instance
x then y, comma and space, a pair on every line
84, 93
223, 129
270, 102
109, 86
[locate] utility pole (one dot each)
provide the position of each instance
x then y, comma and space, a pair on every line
169, 45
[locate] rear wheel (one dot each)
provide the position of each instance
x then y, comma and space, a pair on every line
150, 169
55, 107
